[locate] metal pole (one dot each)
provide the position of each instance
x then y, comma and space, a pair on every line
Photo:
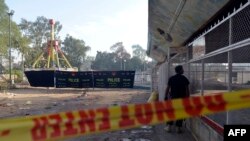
230, 67
242, 80
202, 76
188, 64
229, 57
124, 65
168, 64
10, 15
22, 65
121, 64
1, 61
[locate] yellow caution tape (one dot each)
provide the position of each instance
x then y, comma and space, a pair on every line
74, 123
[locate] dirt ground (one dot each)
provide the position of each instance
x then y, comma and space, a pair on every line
32, 101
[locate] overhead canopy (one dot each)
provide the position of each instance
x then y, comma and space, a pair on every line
172, 22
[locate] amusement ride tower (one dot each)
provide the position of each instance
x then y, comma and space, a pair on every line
53, 55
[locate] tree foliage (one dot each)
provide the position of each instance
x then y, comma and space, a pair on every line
119, 59
120, 51
105, 61
139, 52
135, 63
75, 50
16, 36
86, 66
39, 30
3, 27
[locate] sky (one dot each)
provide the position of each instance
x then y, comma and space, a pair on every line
100, 23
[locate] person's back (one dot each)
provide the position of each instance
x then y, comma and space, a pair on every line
177, 88
178, 84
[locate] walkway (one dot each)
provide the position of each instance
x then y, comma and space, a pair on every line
173, 136
145, 133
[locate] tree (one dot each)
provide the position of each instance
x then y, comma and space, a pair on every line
3, 27
134, 63
39, 30
105, 61
121, 54
86, 66
18, 41
120, 50
115, 60
4, 30
75, 50
139, 52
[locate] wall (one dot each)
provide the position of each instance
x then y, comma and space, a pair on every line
202, 131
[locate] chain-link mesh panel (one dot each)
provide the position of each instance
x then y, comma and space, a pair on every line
240, 80
241, 55
215, 74
190, 52
241, 25
241, 68
142, 78
216, 67
186, 69
216, 80
221, 58
217, 38
180, 58
195, 77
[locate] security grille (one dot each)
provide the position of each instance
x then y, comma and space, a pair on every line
217, 38
241, 25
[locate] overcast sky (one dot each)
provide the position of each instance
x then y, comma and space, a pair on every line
100, 23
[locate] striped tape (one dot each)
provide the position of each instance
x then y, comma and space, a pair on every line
83, 122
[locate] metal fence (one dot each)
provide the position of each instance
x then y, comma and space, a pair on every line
221, 62
142, 78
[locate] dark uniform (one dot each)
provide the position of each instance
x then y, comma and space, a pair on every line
178, 84
178, 89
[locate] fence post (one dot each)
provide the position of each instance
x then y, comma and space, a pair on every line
168, 64
229, 60
202, 76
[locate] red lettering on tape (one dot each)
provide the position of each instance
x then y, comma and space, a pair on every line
126, 120
105, 124
245, 96
193, 105
55, 125
4, 133
164, 108
87, 120
215, 103
39, 130
70, 129
143, 113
